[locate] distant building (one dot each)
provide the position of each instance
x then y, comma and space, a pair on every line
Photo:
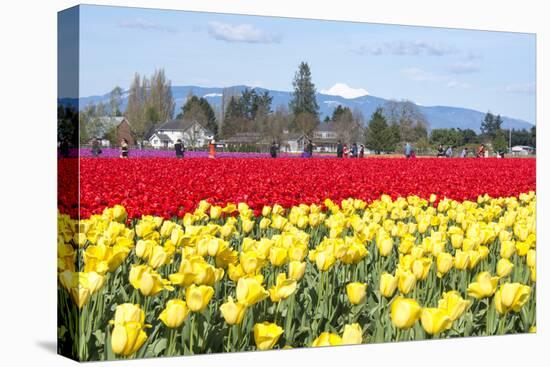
191, 133
122, 130
522, 150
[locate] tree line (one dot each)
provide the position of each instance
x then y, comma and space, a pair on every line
150, 103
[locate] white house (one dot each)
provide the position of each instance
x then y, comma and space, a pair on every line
522, 150
191, 133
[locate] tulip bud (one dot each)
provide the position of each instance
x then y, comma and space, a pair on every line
504, 267
266, 335
327, 339
444, 263
453, 304
356, 292
511, 296
250, 291
232, 312
296, 270
197, 297
404, 312
388, 284
462, 259
531, 258
406, 281
175, 313
352, 334
127, 338
484, 286
385, 246
435, 320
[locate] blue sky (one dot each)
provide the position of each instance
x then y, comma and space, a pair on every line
431, 66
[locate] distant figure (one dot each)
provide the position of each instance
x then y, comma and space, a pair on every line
273, 150
64, 148
179, 148
354, 150
309, 148
440, 151
464, 153
124, 148
481, 151
345, 151
339, 149
96, 150
413, 154
408, 150
361, 151
449, 152
212, 153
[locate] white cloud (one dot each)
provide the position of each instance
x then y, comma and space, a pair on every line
420, 75
408, 48
240, 33
464, 67
140, 23
343, 90
526, 88
212, 95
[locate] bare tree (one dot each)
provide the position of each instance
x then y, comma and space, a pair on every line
406, 114
305, 123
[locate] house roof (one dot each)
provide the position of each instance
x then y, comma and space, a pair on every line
180, 125
326, 126
162, 137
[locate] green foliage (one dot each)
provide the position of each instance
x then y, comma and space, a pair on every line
379, 136
500, 143
193, 104
303, 99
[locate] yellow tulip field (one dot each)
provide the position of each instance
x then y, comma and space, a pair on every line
221, 279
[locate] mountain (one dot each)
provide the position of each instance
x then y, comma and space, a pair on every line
437, 116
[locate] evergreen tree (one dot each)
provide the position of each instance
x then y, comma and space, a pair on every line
378, 133
303, 98
499, 143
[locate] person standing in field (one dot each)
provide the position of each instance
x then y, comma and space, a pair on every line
124, 148
309, 148
339, 149
273, 150
354, 151
440, 151
408, 150
481, 151
96, 150
449, 152
179, 148
464, 153
212, 146
345, 151
361, 151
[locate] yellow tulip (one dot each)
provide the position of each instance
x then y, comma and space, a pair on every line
511, 296
296, 270
484, 286
266, 211
406, 281
444, 263
327, 339
250, 291
282, 289
388, 285
435, 320
421, 268
215, 212
385, 246
233, 312
198, 297
324, 260
453, 304
531, 258
248, 225
533, 272
462, 259
456, 240
128, 312
127, 338
352, 334
504, 267
148, 281
507, 249
175, 313
278, 256
404, 312
357, 292
266, 335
